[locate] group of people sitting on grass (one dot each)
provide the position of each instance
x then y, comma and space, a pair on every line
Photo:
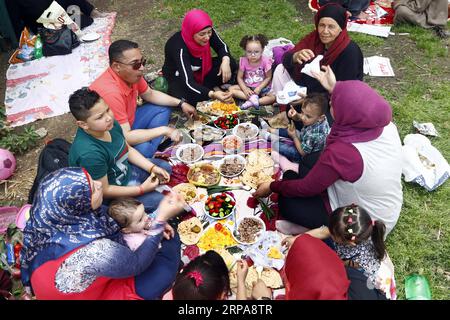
100, 230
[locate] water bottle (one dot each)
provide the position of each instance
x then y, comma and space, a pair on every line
417, 288
38, 48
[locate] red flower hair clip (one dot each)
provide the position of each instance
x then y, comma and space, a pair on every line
197, 276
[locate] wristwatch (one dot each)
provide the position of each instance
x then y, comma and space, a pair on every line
264, 298
182, 100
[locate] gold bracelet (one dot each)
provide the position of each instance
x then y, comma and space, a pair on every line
151, 169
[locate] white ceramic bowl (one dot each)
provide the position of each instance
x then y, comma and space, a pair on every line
189, 160
240, 158
254, 127
238, 149
218, 217
260, 233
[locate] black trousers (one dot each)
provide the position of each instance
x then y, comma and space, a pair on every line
309, 212
358, 289
25, 12
179, 89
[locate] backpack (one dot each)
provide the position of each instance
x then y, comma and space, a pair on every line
54, 156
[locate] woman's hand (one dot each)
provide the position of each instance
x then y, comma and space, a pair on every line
261, 290
226, 97
241, 271
168, 233
170, 206
289, 241
162, 175
303, 56
263, 190
225, 69
326, 78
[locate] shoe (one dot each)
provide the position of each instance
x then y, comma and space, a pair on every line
440, 32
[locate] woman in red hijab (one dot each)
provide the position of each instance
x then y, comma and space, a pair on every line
361, 162
189, 68
314, 272
330, 39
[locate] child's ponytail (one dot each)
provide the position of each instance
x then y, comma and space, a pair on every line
262, 39
378, 230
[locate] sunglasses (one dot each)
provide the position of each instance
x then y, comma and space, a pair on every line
135, 65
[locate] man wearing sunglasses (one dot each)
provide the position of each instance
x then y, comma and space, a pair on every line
144, 127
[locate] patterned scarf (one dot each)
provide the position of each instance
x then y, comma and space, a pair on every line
62, 219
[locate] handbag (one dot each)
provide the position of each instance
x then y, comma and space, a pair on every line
59, 41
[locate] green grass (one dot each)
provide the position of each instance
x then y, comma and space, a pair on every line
420, 242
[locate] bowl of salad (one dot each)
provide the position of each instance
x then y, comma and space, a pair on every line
227, 122
220, 205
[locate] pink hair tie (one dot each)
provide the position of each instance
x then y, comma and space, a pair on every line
197, 276
373, 222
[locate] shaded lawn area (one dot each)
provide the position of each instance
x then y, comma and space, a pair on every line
420, 91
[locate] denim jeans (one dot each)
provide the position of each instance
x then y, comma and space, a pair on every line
151, 199
290, 152
150, 116
159, 277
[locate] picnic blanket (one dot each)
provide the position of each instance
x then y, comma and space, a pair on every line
372, 11
40, 89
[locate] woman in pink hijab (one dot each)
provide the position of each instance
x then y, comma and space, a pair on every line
189, 68
361, 162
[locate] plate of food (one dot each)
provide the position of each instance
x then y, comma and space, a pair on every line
207, 133
232, 144
187, 190
269, 276
249, 230
192, 124
232, 165
190, 231
190, 153
217, 236
226, 122
203, 175
218, 108
246, 131
220, 205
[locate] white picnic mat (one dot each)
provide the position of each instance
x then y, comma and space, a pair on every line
40, 89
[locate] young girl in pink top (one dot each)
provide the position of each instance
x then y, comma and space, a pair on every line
254, 75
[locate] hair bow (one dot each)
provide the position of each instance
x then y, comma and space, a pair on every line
197, 276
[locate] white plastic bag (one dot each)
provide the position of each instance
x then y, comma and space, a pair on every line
275, 43
424, 164
54, 17
290, 93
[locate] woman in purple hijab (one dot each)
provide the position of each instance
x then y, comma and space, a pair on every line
361, 162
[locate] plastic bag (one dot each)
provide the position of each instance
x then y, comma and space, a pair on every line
55, 17
424, 164
25, 52
279, 42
